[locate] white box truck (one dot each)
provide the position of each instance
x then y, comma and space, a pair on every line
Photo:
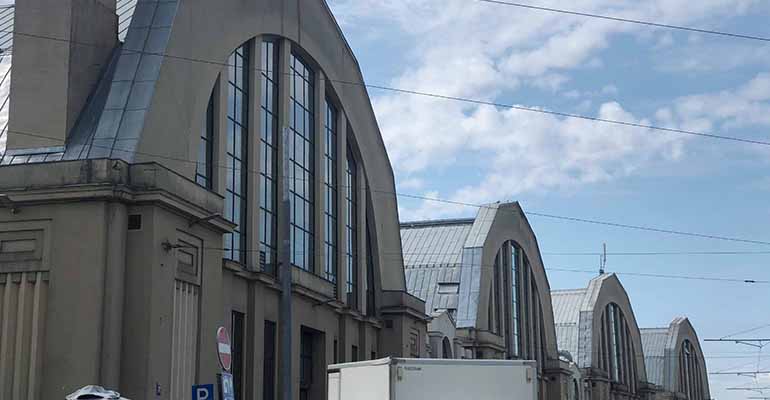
419, 378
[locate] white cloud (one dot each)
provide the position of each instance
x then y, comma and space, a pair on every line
488, 52
748, 105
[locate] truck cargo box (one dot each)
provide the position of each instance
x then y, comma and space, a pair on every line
418, 378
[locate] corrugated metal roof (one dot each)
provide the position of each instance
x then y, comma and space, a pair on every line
433, 255
566, 305
438, 243
566, 316
423, 282
654, 341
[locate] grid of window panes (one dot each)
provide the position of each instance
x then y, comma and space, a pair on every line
690, 373
614, 342
617, 353
301, 159
330, 193
516, 336
204, 168
497, 323
268, 150
235, 160
351, 228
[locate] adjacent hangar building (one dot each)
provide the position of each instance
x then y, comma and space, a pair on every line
141, 185
596, 329
484, 285
675, 361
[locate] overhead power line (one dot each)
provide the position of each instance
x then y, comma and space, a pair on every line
659, 253
665, 276
629, 20
479, 206
598, 222
582, 271
530, 109
750, 330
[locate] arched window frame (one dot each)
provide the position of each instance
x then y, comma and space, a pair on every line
690, 379
617, 352
273, 94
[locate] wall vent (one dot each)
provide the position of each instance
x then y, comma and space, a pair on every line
135, 222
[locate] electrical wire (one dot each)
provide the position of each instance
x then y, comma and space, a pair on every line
582, 271
750, 330
530, 109
629, 20
659, 253
479, 206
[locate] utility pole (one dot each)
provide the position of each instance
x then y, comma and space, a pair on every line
284, 265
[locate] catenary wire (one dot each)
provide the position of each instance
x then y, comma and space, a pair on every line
531, 109
750, 330
459, 203
479, 206
582, 271
629, 20
659, 253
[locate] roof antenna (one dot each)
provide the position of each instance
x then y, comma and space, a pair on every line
603, 260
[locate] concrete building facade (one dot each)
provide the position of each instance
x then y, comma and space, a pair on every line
484, 283
675, 361
597, 328
142, 190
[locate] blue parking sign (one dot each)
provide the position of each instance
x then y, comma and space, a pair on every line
203, 392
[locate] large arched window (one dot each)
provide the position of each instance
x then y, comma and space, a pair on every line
690, 372
305, 132
618, 356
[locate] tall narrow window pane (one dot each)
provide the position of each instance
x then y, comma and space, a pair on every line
614, 342
235, 160
267, 168
301, 159
351, 229
204, 168
496, 294
371, 307
515, 300
330, 193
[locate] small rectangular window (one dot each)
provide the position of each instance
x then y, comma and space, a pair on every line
354, 353
135, 222
448, 288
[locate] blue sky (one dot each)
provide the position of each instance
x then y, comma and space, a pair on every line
575, 168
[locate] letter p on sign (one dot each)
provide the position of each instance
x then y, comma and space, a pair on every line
203, 392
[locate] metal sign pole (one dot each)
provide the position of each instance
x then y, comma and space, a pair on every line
284, 263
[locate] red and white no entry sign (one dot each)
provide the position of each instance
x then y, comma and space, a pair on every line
224, 349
